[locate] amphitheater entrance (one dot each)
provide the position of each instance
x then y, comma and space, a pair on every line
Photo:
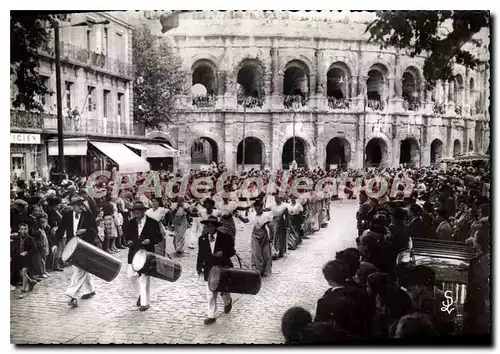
204, 151
409, 153
376, 153
436, 150
300, 153
253, 153
338, 153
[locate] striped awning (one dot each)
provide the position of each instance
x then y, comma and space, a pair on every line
126, 159
159, 151
71, 147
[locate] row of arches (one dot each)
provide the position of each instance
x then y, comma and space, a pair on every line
296, 81
338, 152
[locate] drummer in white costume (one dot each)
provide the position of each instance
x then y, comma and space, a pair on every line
142, 232
78, 222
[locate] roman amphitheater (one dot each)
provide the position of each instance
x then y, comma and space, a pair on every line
269, 76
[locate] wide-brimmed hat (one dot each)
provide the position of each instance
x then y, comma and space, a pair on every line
208, 201
212, 220
76, 200
20, 202
139, 206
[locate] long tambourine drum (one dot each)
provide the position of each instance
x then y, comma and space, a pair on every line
234, 280
156, 266
91, 259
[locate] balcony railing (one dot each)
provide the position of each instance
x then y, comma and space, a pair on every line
375, 105
411, 105
206, 101
48, 122
338, 103
86, 57
293, 101
438, 108
458, 110
250, 102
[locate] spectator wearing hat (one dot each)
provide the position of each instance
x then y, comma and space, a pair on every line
19, 213
443, 231
351, 257
429, 220
365, 269
78, 223
215, 248
41, 236
142, 232
416, 227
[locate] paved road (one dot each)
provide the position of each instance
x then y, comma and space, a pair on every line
178, 309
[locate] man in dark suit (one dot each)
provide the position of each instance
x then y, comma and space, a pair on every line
78, 223
141, 232
214, 249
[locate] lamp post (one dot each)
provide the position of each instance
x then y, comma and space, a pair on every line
60, 122
244, 133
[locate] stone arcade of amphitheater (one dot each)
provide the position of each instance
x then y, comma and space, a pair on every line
348, 99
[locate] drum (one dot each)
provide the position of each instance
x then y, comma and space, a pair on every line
156, 266
91, 259
234, 280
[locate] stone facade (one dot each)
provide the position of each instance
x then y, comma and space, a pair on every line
344, 88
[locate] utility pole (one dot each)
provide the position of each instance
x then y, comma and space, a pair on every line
364, 133
293, 150
244, 132
60, 136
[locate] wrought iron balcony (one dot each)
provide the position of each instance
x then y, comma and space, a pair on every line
26, 120
206, 101
338, 103
86, 57
250, 102
294, 101
458, 110
438, 108
375, 105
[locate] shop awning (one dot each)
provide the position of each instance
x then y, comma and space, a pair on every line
159, 151
175, 152
137, 147
127, 160
72, 147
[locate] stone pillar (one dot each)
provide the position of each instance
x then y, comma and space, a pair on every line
222, 77
275, 68
446, 86
321, 83
275, 143
354, 86
184, 150
228, 140
398, 77
320, 143
449, 142
425, 156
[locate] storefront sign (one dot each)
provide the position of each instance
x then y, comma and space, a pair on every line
16, 138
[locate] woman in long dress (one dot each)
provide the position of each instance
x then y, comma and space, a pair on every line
180, 224
295, 212
229, 210
279, 227
261, 242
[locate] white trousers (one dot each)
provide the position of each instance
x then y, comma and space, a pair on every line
212, 301
141, 285
79, 280
194, 232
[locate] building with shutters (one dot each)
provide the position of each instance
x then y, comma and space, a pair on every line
349, 102
97, 96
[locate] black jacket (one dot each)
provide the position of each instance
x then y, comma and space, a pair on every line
150, 231
87, 222
206, 260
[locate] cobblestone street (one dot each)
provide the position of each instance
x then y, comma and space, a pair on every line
178, 309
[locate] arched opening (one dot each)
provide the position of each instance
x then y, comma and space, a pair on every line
471, 146
472, 96
295, 84
376, 152
204, 73
409, 153
254, 149
411, 89
436, 150
251, 86
456, 147
204, 151
338, 153
300, 153
375, 87
338, 86
458, 94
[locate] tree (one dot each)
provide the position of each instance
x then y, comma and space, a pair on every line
440, 35
159, 79
29, 33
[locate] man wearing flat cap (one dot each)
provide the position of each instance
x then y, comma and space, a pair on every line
215, 248
141, 232
78, 222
